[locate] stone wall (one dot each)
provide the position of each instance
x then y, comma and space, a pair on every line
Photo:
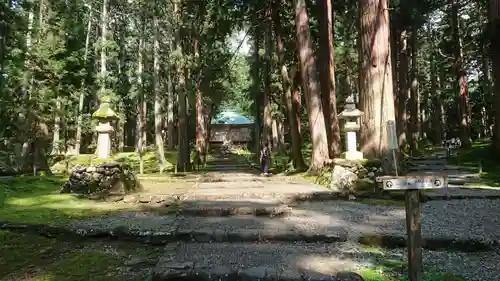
102, 181
352, 176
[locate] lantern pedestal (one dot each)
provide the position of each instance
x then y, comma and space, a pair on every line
351, 115
352, 152
104, 130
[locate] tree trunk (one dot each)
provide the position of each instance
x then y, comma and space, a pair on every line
395, 34
464, 109
170, 112
403, 93
200, 116
487, 90
104, 20
316, 118
81, 100
182, 127
26, 115
140, 100
268, 119
275, 134
414, 112
494, 35
256, 89
158, 112
327, 77
297, 158
56, 140
376, 94
437, 113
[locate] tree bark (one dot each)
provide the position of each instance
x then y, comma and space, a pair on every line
256, 89
403, 92
26, 115
182, 127
158, 112
140, 102
268, 119
200, 114
327, 77
56, 140
437, 113
464, 109
376, 93
487, 90
104, 21
494, 36
170, 112
414, 112
316, 118
297, 158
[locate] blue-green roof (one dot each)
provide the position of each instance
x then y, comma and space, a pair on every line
231, 117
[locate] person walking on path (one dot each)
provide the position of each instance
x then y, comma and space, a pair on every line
265, 154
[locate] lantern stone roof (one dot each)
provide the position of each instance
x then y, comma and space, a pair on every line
104, 111
350, 109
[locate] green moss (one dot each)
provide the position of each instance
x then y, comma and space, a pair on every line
151, 164
35, 258
37, 200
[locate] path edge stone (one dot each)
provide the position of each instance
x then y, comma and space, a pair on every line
164, 238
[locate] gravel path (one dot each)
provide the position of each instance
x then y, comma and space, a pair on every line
458, 219
481, 266
293, 261
287, 261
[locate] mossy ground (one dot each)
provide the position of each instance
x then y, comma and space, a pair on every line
37, 200
34, 258
29, 199
151, 164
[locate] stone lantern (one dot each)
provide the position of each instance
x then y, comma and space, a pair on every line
104, 116
351, 115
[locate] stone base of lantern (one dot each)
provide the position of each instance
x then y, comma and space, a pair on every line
103, 140
354, 155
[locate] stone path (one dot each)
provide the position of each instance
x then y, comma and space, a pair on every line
436, 163
232, 224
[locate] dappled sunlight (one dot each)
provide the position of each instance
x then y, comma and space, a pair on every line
55, 208
327, 265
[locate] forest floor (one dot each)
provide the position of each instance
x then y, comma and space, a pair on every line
229, 218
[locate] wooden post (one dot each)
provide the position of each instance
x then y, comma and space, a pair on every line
413, 229
412, 186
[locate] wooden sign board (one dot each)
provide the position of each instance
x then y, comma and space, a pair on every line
414, 182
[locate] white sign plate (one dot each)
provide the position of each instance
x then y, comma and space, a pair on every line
414, 182
391, 135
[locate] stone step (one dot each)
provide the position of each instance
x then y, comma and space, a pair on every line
223, 208
229, 161
433, 168
427, 162
227, 168
230, 178
155, 229
262, 261
227, 165
427, 157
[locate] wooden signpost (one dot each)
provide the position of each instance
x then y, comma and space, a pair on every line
412, 185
